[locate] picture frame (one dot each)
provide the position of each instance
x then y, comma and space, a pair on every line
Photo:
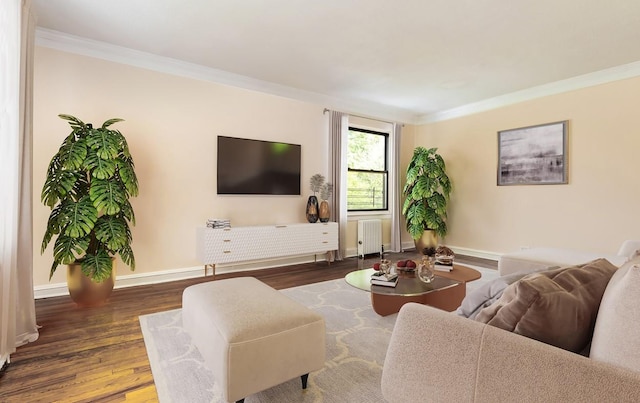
533, 155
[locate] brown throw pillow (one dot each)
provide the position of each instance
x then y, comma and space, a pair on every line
557, 307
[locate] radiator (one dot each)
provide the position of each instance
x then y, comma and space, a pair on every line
369, 237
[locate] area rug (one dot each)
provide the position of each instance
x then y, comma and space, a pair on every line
357, 340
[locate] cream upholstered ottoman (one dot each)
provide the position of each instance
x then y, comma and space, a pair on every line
251, 336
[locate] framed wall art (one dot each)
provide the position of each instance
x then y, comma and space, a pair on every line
534, 155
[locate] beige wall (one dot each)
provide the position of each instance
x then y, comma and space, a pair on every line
596, 211
171, 124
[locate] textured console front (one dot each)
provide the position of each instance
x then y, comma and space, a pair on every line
227, 245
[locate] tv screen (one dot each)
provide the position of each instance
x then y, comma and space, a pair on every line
258, 167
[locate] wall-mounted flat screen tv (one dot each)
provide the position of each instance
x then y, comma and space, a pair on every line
258, 167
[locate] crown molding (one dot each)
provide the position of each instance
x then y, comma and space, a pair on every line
118, 54
574, 83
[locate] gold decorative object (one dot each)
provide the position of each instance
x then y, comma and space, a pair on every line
444, 255
427, 243
86, 292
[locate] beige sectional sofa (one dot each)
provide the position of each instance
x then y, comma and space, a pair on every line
437, 356
532, 259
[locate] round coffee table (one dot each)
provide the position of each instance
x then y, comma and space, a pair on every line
446, 291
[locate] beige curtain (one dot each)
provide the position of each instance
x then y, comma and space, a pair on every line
338, 125
395, 185
17, 307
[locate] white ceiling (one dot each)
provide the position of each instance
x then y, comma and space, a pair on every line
407, 59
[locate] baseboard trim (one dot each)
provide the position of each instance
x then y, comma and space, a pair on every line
463, 251
476, 253
136, 279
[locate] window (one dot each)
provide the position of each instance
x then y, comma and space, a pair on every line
367, 174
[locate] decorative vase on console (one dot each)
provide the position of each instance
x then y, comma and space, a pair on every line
312, 209
316, 183
325, 192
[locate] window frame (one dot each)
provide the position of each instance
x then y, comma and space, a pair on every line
386, 173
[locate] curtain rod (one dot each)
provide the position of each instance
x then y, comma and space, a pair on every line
364, 117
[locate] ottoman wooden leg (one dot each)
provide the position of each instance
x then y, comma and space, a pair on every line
304, 379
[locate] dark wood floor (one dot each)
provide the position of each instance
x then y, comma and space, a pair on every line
98, 354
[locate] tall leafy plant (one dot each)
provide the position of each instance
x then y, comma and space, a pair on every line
88, 185
426, 193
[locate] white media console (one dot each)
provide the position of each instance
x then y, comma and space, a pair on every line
239, 244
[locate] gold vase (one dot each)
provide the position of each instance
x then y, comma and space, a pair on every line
427, 243
324, 211
84, 291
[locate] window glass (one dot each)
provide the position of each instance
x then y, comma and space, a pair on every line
367, 175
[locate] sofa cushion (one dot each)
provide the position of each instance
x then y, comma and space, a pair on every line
615, 337
485, 295
557, 307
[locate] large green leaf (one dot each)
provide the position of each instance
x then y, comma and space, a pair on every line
111, 121
431, 219
446, 186
100, 168
107, 196
415, 217
415, 229
75, 123
56, 186
97, 266
72, 153
422, 188
81, 217
67, 249
405, 207
105, 144
54, 226
126, 210
410, 211
126, 253
438, 203
113, 232
80, 186
412, 175
128, 175
124, 146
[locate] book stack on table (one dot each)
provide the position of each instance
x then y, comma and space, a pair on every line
443, 264
444, 259
386, 280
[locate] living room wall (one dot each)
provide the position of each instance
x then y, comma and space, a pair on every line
595, 211
171, 124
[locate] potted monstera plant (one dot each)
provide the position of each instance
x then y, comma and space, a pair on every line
88, 185
426, 194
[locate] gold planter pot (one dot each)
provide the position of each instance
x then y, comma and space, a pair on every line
86, 292
428, 242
